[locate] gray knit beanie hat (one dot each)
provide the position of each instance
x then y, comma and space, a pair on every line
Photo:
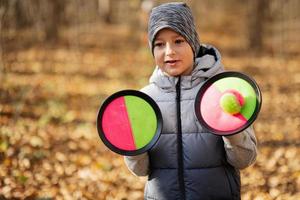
176, 16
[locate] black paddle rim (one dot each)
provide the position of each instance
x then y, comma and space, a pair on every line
154, 106
212, 80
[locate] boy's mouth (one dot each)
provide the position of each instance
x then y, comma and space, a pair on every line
171, 61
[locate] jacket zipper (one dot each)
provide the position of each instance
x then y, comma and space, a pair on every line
179, 141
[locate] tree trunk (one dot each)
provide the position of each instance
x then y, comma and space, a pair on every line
53, 19
256, 23
22, 18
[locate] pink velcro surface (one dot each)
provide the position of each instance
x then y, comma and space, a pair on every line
213, 114
116, 125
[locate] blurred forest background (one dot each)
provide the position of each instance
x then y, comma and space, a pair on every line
59, 59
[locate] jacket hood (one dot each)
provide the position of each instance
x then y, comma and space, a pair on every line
207, 64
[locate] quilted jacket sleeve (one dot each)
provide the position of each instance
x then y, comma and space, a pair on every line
241, 150
138, 165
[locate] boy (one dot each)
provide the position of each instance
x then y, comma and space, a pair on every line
187, 162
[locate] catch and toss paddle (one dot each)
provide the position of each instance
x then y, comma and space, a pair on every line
228, 103
129, 122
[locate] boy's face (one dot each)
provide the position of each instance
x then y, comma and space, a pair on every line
172, 53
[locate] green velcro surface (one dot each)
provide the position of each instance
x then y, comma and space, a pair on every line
143, 120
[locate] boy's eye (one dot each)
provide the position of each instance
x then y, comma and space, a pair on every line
179, 41
158, 44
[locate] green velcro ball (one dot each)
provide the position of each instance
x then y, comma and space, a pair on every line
230, 104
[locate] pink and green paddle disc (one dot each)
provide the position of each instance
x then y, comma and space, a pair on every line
129, 122
228, 103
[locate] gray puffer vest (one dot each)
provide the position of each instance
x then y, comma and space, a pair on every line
188, 162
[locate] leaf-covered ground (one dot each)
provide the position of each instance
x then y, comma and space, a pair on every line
49, 147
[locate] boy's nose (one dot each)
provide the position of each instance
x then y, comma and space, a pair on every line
169, 49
